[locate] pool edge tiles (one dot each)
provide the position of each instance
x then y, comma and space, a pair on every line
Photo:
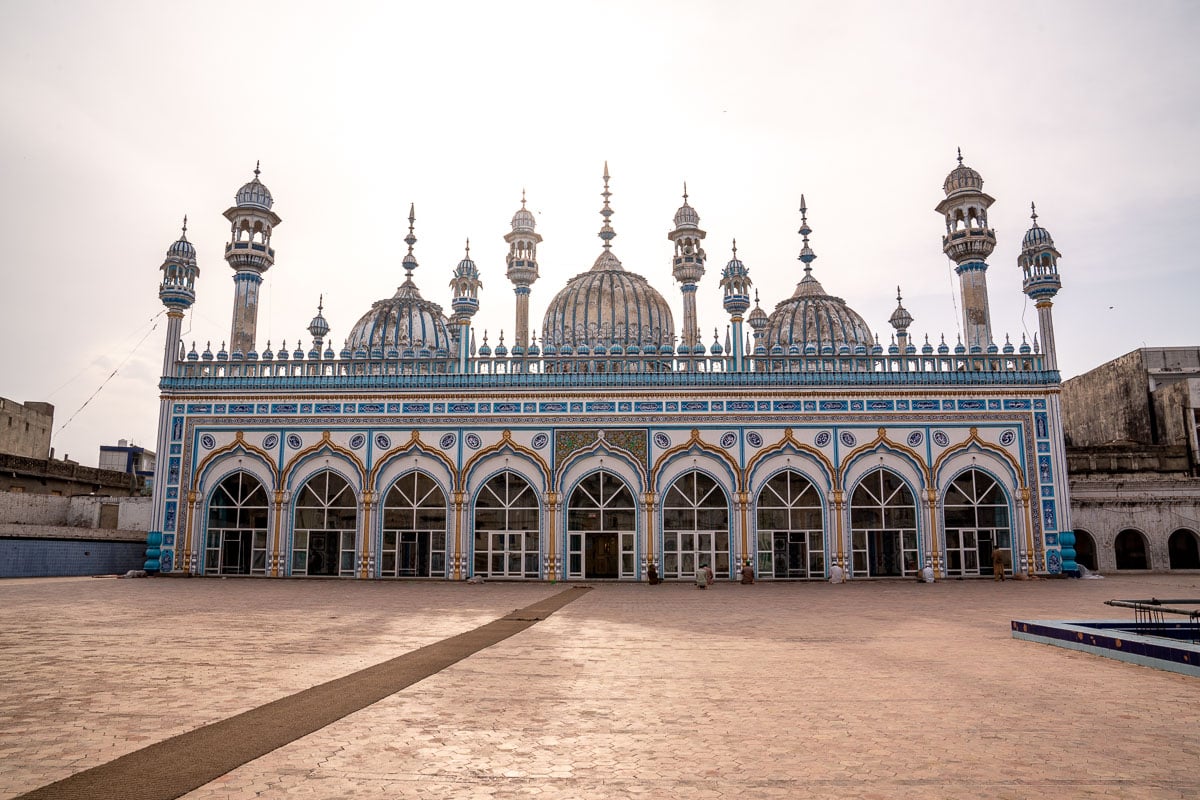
1113, 639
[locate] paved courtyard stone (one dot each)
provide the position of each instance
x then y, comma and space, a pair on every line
868, 689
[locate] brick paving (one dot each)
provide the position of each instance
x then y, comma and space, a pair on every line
869, 689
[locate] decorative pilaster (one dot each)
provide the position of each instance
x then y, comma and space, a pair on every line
649, 500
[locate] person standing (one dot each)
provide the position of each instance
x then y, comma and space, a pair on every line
998, 564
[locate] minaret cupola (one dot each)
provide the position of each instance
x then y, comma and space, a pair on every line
900, 320
319, 327
735, 280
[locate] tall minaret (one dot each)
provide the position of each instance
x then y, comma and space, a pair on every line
465, 285
687, 266
735, 280
1039, 261
249, 254
522, 267
177, 292
968, 242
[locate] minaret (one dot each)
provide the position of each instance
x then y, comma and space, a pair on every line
735, 280
465, 285
900, 320
687, 266
968, 242
177, 292
249, 254
1039, 261
522, 267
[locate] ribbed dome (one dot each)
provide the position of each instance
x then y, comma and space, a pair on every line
403, 320
1036, 237
608, 304
962, 178
686, 217
810, 316
255, 193
182, 248
523, 220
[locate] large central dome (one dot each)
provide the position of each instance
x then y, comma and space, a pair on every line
608, 305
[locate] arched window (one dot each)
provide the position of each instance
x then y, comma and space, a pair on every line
1184, 550
507, 542
883, 526
975, 519
236, 539
695, 527
1130, 549
602, 529
791, 535
1085, 550
325, 533
414, 529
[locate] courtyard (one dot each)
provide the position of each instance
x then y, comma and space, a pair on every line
868, 689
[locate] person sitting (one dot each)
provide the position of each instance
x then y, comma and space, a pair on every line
702, 576
652, 574
747, 573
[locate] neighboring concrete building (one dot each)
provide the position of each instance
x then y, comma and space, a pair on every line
615, 445
128, 458
1132, 428
43, 535
25, 428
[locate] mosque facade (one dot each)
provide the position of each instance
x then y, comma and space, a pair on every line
617, 443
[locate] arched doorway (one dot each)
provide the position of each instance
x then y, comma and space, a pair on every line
236, 538
326, 529
602, 529
413, 544
883, 526
695, 527
975, 520
1184, 550
507, 539
1085, 550
791, 535
1130, 549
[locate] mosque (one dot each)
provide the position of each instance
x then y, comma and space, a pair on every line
615, 443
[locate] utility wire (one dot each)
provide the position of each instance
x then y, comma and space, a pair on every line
112, 374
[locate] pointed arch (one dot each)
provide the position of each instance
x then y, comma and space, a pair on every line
507, 444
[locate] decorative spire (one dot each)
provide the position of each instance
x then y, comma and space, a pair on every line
410, 261
607, 234
1032, 213
806, 254
183, 236
685, 193
960, 156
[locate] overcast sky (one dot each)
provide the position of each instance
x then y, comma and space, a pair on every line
119, 118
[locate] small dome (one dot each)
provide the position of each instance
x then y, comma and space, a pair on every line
319, 327
686, 217
182, 249
1037, 237
812, 316
404, 319
255, 194
962, 178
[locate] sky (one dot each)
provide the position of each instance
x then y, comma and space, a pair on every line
117, 118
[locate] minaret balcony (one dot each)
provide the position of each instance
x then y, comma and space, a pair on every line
973, 243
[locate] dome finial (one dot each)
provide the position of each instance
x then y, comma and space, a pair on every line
685, 193
806, 254
1032, 212
522, 197
410, 261
607, 234
960, 156
183, 236
320, 302
468, 247
257, 171
735, 247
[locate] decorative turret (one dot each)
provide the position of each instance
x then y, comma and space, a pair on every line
1039, 262
177, 291
688, 266
522, 266
466, 285
968, 242
735, 280
249, 254
900, 320
318, 328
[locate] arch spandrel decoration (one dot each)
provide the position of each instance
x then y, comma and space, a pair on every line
481, 462
414, 454
816, 465
672, 463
